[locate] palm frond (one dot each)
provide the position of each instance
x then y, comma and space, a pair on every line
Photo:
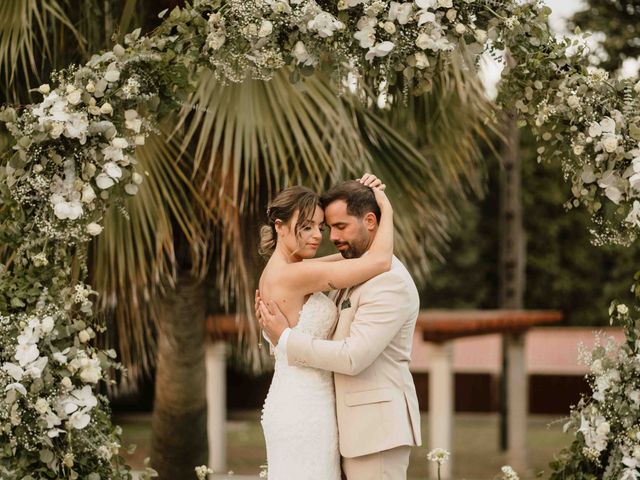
26, 30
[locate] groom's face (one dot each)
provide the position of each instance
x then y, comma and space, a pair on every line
351, 235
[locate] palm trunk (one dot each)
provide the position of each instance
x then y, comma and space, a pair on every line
179, 421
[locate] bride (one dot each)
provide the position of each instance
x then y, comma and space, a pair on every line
299, 418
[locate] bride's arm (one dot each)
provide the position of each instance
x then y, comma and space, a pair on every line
327, 258
309, 277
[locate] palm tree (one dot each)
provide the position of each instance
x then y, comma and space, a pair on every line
209, 177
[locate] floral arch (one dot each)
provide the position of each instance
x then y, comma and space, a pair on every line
73, 157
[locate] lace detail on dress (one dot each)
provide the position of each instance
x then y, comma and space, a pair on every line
299, 418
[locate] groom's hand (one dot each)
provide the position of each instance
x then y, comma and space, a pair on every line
272, 320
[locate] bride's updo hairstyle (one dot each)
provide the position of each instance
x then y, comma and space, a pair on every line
286, 203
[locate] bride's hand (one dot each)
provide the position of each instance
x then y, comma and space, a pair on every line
370, 180
382, 199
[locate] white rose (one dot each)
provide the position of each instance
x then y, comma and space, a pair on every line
610, 143
90, 87
90, 374
104, 181
41, 406
119, 142
389, 27
44, 89
47, 324
112, 75
84, 336
608, 125
94, 229
106, 109
595, 130
93, 110
578, 149
74, 97
66, 383
265, 29
622, 309
136, 178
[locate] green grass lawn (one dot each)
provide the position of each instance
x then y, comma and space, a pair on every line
475, 453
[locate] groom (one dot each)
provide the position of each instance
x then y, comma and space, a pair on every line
376, 403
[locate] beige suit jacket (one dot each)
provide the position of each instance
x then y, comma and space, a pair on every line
376, 400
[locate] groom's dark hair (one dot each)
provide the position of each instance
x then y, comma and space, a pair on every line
360, 200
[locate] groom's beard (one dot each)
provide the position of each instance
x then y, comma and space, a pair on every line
354, 249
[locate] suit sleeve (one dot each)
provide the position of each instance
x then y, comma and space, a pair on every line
383, 308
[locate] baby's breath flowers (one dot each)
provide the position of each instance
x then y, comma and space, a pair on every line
438, 456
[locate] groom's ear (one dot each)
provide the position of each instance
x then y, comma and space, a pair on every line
370, 221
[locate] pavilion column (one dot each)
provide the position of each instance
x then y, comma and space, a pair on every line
216, 404
518, 395
441, 401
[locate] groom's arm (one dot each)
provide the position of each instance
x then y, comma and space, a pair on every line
384, 306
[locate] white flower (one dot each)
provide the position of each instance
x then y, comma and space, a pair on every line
423, 40
389, 27
131, 188
26, 354
509, 473
573, 101
56, 129
609, 142
91, 372
60, 357
622, 309
68, 210
112, 169
140, 139
366, 34
438, 455
83, 335
13, 370
460, 28
66, 383
265, 29
422, 61
106, 109
400, 12
132, 122
94, 229
16, 386
112, 75
603, 428
47, 324
608, 125
587, 175
426, 4
202, 472
41, 406
595, 130
634, 215
74, 97
578, 149
120, 142
379, 50
44, 89
103, 181
325, 24
88, 194
136, 178
90, 87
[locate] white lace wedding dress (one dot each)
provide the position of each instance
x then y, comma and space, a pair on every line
299, 414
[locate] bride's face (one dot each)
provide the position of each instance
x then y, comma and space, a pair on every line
304, 243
